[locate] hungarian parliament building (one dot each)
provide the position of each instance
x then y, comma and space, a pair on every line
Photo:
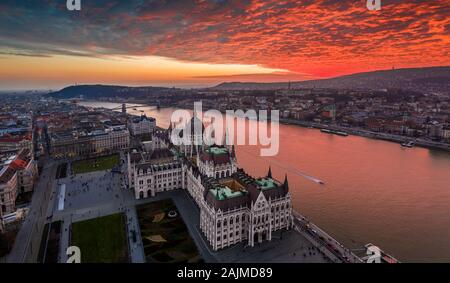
234, 206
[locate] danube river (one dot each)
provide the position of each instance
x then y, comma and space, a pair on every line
375, 191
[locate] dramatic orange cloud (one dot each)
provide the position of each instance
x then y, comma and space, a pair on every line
323, 38
260, 40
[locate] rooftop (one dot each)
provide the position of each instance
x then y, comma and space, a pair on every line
138, 119
217, 150
224, 192
217, 154
267, 183
6, 174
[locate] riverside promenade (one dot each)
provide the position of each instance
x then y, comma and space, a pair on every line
324, 242
369, 134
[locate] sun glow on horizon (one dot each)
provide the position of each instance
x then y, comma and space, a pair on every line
61, 70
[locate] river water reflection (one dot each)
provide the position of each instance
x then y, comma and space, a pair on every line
375, 192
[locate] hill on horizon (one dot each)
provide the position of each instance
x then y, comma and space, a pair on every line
97, 91
430, 79
424, 79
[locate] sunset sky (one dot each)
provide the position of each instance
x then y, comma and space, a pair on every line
204, 42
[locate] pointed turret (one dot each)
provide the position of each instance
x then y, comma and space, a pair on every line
224, 140
286, 184
269, 174
227, 139
212, 139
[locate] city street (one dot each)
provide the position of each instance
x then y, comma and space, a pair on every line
26, 246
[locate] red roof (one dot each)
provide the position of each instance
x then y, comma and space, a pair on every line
18, 164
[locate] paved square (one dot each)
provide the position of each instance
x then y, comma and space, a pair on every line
91, 190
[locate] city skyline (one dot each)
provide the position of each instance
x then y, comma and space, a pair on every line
202, 43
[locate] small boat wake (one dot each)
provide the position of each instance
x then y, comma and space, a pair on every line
290, 169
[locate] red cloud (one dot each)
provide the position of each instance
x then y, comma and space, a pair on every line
320, 38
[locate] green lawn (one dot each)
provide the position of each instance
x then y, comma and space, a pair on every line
101, 240
165, 239
95, 164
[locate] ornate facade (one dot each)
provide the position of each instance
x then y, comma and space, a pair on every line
81, 143
234, 206
142, 125
155, 172
18, 174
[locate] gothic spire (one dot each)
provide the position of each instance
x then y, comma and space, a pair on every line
227, 139
286, 183
224, 141
213, 136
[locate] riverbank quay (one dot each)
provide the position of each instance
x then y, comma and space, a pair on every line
369, 134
